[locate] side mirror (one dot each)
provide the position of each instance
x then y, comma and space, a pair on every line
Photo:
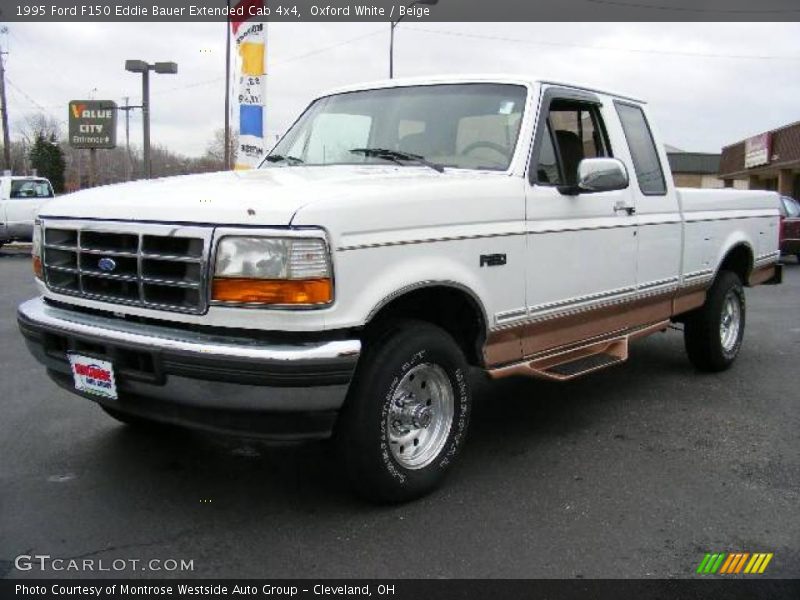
598, 175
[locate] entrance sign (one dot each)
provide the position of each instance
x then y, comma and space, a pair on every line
93, 124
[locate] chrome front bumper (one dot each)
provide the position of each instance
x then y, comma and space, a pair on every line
240, 383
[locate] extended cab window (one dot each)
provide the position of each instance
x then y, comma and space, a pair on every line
573, 131
643, 150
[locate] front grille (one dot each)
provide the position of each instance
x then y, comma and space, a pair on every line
154, 266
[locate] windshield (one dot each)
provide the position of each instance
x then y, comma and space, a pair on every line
465, 126
30, 188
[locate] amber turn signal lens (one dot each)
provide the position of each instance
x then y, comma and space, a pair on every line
272, 291
37, 267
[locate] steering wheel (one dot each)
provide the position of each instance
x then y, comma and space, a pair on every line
503, 151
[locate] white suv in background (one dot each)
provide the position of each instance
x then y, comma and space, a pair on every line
20, 201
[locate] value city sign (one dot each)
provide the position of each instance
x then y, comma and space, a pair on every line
93, 124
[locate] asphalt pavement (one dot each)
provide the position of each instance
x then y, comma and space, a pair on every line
632, 472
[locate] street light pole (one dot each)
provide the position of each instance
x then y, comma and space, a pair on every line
148, 165
394, 24
140, 66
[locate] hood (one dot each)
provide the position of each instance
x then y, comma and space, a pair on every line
265, 197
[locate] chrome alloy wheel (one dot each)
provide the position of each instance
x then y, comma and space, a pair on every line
731, 321
419, 419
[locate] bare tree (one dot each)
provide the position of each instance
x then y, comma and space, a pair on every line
110, 163
34, 125
215, 151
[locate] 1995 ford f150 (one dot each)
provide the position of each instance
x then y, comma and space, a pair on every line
399, 233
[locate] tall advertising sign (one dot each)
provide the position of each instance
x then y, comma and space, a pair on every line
93, 124
251, 44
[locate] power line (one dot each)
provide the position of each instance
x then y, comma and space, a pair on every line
187, 86
331, 47
735, 11
276, 63
31, 100
604, 48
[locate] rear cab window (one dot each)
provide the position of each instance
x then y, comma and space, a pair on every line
646, 163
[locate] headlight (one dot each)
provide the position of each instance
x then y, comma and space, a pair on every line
272, 271
36, 249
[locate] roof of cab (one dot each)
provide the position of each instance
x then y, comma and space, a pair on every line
477, 78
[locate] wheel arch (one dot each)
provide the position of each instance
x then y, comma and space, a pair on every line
739, 258
450, 305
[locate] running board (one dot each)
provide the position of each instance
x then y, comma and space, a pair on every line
578, 360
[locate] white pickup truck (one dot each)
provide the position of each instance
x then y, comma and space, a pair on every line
20, 200
399, 233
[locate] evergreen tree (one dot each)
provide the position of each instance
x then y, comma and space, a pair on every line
48, 160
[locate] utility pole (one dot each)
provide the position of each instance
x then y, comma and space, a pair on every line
127, 140
4, 113
227, 135
92, 167
129, 160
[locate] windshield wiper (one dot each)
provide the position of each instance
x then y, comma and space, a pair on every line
397, 157
293, 160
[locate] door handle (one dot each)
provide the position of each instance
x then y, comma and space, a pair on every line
620, 206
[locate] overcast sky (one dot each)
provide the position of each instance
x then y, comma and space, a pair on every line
709, 84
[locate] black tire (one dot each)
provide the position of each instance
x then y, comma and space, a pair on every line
364, 435
702, 329
796, 255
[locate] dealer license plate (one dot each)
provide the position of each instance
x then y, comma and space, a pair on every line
93, 376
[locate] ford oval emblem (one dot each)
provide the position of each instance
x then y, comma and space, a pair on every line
107, 264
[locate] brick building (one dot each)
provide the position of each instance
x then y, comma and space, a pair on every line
769, 161
694, 169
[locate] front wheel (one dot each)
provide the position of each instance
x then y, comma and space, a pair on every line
713, 333
406, 416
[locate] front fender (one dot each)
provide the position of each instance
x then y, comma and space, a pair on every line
368, 279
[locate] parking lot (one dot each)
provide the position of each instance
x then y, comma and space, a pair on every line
636, 471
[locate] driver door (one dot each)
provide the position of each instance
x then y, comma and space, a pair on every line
581, 252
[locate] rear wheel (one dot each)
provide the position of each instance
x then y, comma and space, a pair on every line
713, 333
407, 413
